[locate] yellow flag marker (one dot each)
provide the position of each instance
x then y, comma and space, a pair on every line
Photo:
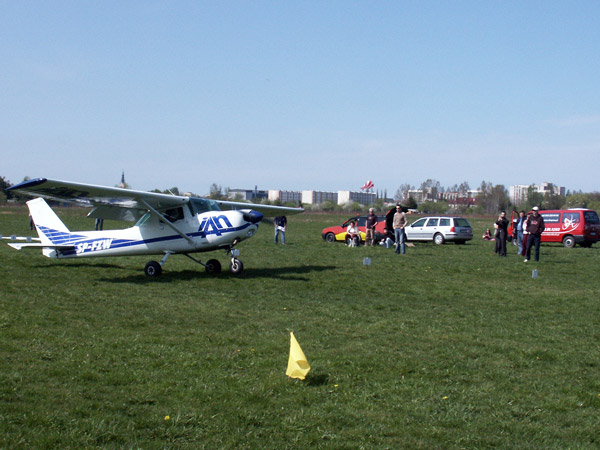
298, 365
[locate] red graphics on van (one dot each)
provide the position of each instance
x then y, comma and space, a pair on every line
568, 226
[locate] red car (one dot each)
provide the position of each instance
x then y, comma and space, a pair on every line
338, 233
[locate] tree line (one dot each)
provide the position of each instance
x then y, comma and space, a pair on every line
490, 199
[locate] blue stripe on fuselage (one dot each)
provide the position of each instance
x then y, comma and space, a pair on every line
83, 244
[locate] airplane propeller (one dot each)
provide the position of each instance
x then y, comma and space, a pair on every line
253, 216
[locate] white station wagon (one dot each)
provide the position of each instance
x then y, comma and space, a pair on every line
439, 230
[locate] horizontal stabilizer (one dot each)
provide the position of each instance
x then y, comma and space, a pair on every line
18, 246
21, 238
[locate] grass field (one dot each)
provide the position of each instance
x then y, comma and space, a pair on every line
445, 347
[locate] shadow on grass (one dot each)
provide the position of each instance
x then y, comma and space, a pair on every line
285, 273
82, 264
317, 379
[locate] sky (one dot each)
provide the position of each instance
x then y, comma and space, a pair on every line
301, 95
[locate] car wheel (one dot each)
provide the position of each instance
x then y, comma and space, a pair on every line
569, 241
439, 238
330, 237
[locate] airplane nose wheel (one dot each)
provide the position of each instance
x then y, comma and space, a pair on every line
236, 266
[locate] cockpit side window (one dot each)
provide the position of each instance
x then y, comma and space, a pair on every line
174, 214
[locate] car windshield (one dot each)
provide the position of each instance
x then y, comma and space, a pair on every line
360, 221
460, 222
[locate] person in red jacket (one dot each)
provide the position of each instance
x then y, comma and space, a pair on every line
535, 228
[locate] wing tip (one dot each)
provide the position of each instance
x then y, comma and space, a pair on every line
27, 184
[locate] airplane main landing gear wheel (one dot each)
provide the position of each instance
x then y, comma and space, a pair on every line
236, 267
213, 266
153, 269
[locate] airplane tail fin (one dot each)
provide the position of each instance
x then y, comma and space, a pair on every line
49, 227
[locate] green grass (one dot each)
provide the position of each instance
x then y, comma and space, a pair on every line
445, 347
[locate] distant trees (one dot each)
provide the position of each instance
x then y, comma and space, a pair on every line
434, 207
432, 187
172, 191
583, 200
403, 192
492, 198
4, 184
411, 203
463, 188
217, 192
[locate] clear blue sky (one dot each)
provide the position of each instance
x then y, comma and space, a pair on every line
301, 95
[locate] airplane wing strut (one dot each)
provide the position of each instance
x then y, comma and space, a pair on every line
162, 218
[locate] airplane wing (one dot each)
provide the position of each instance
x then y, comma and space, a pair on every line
125, 204
266, 210
108, 202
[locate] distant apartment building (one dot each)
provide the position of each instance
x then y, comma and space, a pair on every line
276, 195
248, 194
364, 198
318, 197
463, 199
420, 195
519, 193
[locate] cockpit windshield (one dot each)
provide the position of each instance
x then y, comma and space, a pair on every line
201, 205
143, 220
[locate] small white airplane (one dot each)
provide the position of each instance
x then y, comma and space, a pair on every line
166, 224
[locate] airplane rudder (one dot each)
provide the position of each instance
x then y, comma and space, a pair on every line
44, 218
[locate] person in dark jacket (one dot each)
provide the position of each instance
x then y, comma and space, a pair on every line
501, 227
280, 223
370, 225
535, 228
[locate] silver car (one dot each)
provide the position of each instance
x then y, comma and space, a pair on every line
439, 230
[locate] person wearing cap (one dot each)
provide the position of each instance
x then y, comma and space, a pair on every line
399, 223
535, 227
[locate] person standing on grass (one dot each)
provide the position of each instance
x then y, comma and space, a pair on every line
519, 229
370, 224
280, 223
535, 228
399, 233
525, 237
501, 227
